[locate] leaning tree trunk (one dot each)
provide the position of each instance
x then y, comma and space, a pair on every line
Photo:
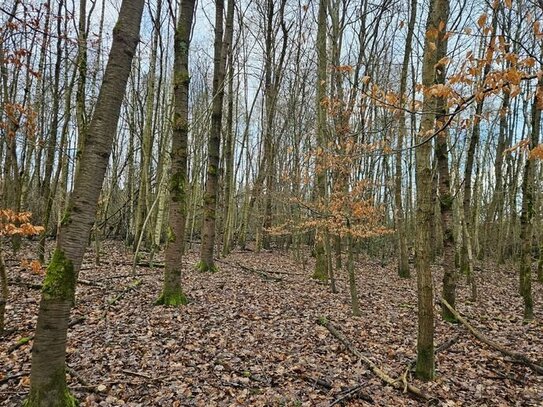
47, 377
172, 294
212, 177
438, 14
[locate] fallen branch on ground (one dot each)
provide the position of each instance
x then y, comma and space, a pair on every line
349, 394
494, 345
265, 275
317, 381
14, 376
444, 346
396, 383
132, 286
261, 273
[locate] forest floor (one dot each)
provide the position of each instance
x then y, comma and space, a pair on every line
252, 339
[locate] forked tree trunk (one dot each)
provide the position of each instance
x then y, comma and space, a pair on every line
172, 293
438, 15
212, 177
48, 382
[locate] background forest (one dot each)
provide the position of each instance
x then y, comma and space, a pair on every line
353, 144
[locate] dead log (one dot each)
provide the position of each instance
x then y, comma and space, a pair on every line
494, 345
399, 384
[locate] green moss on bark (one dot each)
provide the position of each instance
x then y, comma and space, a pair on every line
60, 278
321, 269
172, 299
203, 267
55, 393
425, 369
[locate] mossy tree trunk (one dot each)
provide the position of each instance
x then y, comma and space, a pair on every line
435, 31
213, 148
172, 293
48, 382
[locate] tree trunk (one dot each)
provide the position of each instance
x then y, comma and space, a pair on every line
446, 198
48, 193
144, 195
212, 177
4, 291
438, 14
321, 239
48, 382
402, 254
172, 293
527, 214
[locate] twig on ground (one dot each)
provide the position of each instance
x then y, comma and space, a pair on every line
378, 372
494, 345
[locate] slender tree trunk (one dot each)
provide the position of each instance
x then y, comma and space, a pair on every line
446, 199
229, 150
4, 291
47, 192
212, 177
321, 239
172, 293
528, 202
403, 255
438, 15
48, 381
355, 305
144, 195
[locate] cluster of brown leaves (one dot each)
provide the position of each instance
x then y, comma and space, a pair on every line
19, 118
17, 223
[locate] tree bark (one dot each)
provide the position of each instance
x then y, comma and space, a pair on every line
527, 213
172, 293
402, 254
321, 271
48, 382
438, 14
212, 176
